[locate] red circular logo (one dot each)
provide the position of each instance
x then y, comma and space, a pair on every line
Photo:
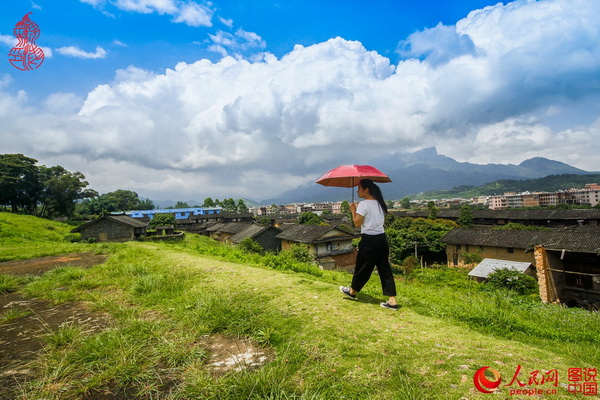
483, 384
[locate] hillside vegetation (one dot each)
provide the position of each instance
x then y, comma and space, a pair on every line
166, 300
549, 183
26, 236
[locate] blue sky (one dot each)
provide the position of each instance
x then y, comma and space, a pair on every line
189, 99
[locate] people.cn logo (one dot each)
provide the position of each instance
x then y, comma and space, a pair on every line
483, 384
26, 55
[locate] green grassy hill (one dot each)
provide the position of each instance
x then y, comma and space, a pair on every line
165, 301
26, 236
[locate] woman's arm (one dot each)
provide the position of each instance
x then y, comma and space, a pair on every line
357, 219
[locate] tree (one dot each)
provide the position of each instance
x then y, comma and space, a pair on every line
465, 217
61, 189
433, 210
182, 204
20, 185
345, 209
162, 219
274, 209
405, 203
208, 202
390, 204
119, 200
310, 218
406, 233
241, 207
229, 205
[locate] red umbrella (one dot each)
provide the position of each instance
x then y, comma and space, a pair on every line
350, 176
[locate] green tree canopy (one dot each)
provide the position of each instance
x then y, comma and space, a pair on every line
241, 207
310, 218
208, 202
465, 217
162, 219
119, 200
405, 202
61, 189
20, 186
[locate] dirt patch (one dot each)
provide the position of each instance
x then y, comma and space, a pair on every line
23, 337
37, 266
231, 354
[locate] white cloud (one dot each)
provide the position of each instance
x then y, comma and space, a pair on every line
73, 51
187, 12
238, 44
226, 21
487, 91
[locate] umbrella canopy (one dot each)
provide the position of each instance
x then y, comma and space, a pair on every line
350, 175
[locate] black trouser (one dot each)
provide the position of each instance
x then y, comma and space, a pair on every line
374, 251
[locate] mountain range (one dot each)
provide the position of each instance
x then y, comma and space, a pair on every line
426, 170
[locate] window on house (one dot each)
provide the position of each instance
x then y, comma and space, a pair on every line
329, 246
455, 259
510, 250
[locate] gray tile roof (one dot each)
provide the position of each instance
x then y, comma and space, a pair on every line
250, 232
229, 227
489, 265
575, 214
571, 240
122, 219
310, 233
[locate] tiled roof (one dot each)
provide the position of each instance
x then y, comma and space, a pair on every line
310, 233
571, 240
229, 227
575, 214
122, 219
250, 232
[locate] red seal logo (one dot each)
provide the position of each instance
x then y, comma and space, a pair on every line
483, 384
26, 55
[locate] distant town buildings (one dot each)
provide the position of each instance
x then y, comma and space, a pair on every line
589, 195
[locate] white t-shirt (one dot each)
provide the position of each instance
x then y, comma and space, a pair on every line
373, 217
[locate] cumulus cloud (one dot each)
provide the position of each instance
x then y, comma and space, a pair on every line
73, 51
484, 90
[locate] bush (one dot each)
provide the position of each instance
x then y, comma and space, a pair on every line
72, 237
472, 258
513, 280
409, 264
250, 245
300, 252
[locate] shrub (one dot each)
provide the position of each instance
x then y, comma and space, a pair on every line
72, 237
472, 258
409, 264
513, 280
300, 252
250, 245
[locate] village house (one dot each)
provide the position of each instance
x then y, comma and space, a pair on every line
112, 228
331, 246
566, 261
264, 235
223, 231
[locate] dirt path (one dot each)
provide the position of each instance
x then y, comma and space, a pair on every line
22, 337
37, 266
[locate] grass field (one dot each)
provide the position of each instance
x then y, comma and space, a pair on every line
24, 236
164, 300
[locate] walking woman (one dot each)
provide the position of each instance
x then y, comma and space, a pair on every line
373, 249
